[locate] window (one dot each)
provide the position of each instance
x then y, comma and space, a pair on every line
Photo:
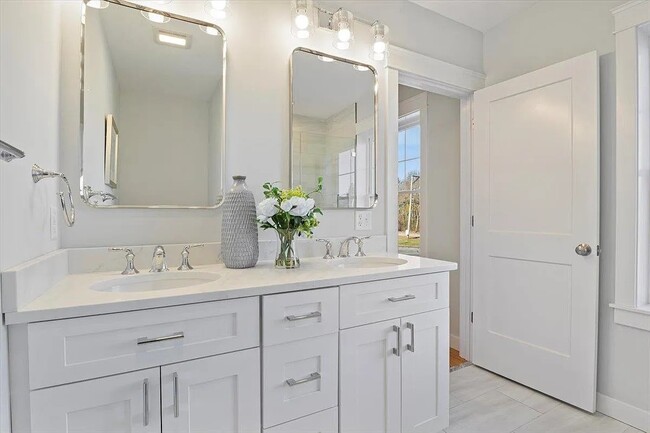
632, 265
408, 174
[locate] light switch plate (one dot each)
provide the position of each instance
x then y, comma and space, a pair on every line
54, 224
363, 220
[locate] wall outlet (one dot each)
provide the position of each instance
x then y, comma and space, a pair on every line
363, 220
54, 224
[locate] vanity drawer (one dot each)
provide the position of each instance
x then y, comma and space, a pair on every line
298, 315
299, 378
70, 350
321, 422
388, 299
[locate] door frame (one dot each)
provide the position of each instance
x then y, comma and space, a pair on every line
431, 75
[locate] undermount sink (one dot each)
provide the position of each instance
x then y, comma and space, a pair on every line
368, 262
154, 282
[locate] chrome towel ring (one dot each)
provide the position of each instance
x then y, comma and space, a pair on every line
39, 174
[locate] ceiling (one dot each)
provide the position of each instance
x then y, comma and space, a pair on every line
481, 15
321, 90
145, 66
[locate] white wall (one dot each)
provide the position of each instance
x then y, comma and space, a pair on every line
164, 150
257, 118
443, 192
546, 33
103, 92
214, 148
29, 120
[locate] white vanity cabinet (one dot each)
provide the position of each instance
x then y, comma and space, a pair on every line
394, 374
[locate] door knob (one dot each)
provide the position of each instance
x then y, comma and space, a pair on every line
583, 249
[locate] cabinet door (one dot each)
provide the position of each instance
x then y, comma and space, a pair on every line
370, 379
425, 372
128, 403
219, 394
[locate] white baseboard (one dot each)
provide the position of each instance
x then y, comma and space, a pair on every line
634, 416
454, 342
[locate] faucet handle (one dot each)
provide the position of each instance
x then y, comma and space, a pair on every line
185, 257
130, 257
359, 242
328, 248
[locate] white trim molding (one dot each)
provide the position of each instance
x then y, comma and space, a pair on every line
632, 273
631, 415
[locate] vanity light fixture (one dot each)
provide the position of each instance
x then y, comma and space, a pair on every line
343, 26
217, 8
325, 59
173, 39
96, 4
210, 30
155, 17
361, 68
379, 48
302, 14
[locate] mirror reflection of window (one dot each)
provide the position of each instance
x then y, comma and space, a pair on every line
333, 129
162, 83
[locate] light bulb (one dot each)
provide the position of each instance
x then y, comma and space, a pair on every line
97, 4
344, 34
360, 68
217, 8
379, 47
210, 30
325, 59
218, 4
302, 21
154, 17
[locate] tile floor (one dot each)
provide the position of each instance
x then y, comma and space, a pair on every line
482, 402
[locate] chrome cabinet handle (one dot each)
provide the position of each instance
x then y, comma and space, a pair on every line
401, 298
411, 347
145, 399
310, 378
175, 386
293, 318
398, 351
146, 340
583, 249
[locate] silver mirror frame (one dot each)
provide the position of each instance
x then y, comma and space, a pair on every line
375, 147
223, 108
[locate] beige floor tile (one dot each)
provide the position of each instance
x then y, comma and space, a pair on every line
471, 382
567, 419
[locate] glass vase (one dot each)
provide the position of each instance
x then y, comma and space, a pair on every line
287, 257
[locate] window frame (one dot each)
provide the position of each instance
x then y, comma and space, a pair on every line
632, 254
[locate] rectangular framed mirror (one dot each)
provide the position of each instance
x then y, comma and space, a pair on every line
334, 129
153, 102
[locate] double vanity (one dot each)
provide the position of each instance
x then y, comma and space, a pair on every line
343, 345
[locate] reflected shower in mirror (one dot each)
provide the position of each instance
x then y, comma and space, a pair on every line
153, 103
333, 131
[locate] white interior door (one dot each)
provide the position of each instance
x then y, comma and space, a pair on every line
536, 198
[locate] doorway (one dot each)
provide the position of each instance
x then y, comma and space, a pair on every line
429, 189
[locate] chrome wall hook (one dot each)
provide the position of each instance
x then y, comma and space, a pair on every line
39, 173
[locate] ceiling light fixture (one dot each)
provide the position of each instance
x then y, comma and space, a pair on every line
343, 26
96, 4
217, 9
212, 31
173, 39
302, 22
155, 17
379, 48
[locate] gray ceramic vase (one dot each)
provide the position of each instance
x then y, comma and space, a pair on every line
239, 243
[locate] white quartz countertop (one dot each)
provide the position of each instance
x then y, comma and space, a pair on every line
73, 297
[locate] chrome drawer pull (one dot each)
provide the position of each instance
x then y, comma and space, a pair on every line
146, 340
293, 318
145, 400
402, 298
175, 383
411, 346
310, 378
398, 350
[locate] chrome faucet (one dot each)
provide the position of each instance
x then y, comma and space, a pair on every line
359, 242
158, 262
344, 250
185, 257
130, 261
